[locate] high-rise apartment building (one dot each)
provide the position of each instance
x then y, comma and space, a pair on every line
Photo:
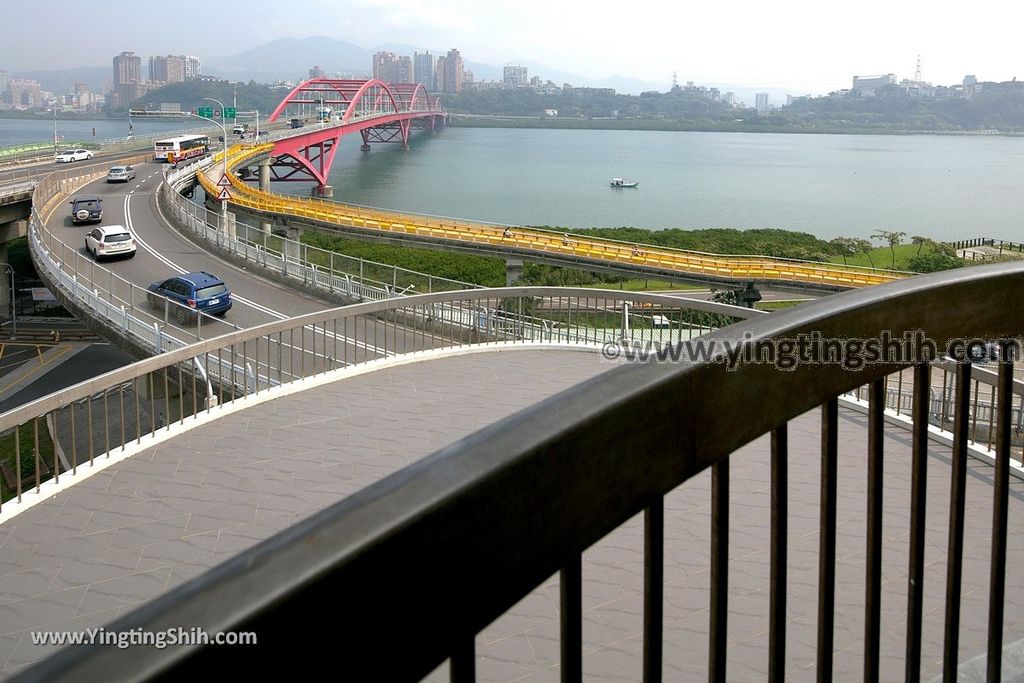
5, 81
316, 72
389, 67
406, 72
193, 67
423, 70
762, 102
515, 77
127, 76
169, 69
450, 72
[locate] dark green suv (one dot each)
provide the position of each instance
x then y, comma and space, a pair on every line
86, 209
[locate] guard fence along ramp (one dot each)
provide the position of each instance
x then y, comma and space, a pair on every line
328, 271
127, 409
413, 567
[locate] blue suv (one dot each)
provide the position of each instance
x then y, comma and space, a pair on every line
196, 291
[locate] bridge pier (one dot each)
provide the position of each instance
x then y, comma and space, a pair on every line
322, 191
513, 271
265, 187
5, 283
292, 246
749, 296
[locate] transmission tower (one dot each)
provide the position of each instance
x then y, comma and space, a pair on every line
917, 72
675, 83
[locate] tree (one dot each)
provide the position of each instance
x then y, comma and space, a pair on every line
864, 247
894, 239
920, 242
846, 246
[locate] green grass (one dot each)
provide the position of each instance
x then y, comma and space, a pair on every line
28, 463
882, 257
776, 305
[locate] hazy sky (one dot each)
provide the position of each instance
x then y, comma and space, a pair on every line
803, 46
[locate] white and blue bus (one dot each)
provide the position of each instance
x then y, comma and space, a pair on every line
181, 148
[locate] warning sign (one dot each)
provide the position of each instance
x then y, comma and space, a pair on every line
224, 194
224, 181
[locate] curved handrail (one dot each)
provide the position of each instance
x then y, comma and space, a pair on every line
170, 358
490, 517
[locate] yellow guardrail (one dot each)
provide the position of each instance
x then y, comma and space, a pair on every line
680, 261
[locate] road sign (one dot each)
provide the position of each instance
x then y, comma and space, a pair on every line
224, 181
229, 112
224, 194
206, 112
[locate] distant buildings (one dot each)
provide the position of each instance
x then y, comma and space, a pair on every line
450, 73
169, 69
391, 68
762, 102
515, 77
127, 79
423, 70
866, 86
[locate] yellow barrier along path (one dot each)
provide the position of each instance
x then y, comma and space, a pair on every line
519, 239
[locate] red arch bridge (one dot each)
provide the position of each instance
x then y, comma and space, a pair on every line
378, 111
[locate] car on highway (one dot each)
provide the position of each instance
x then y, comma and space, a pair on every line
196, 292
239, 129
70, 155
86, 209
120, 174
110, 240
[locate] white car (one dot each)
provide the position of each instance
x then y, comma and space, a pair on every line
110, 240
70, 155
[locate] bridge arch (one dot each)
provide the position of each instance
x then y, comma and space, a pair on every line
369, 86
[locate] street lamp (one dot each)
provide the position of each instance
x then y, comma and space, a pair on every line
55, 127
14, 302
224, 138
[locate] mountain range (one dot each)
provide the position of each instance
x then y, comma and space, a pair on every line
291, 59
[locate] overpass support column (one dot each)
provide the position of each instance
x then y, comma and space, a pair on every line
749, 296
227, 224
513, 270
5, 283
292, 247
265, 187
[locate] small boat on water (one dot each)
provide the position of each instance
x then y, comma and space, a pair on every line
623, 182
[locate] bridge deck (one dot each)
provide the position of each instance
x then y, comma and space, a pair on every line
572, 250
133, 531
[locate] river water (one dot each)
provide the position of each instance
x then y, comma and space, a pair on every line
943, 187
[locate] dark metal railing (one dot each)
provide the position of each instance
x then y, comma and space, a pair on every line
407, 571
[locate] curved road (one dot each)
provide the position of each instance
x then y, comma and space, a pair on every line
163, 252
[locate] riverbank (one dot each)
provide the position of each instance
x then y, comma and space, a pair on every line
670, 125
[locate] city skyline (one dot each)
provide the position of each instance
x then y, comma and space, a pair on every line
800, 47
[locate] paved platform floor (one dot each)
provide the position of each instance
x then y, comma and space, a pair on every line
145, 525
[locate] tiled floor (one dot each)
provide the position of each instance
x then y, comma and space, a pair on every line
145, 525
142, 526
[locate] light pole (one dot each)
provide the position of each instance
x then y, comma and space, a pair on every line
14, 302
54, 127
224, 138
